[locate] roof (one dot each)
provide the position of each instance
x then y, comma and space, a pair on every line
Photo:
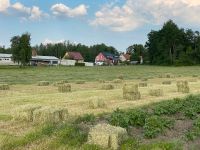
44, 58
110, 56
5, 55
73, 55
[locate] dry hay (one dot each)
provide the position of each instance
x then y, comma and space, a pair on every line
43, 83
120, 77
167, 82
96, 102
183, 87
143, 84
102, 81
107, 87
80, 82
107, 136
64, 88
156, 92
60, 82
25, 113
167, 75
117, 81
131, 92
4, 87
49, 114
192, 80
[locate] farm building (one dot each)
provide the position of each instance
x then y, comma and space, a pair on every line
44, 60
6, 59
125, 57
105, 58
74, 56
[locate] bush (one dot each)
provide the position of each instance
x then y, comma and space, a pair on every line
154, 125
194, 133
137, 117
79, 64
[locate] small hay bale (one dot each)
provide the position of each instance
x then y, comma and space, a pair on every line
43, 83
60, 82
64, 88
25, 113
107, 87
117, 81
107, 136
80, 82
120, 77
143, 84
156, 92
167, 82
131, 92
4, 87
144, 79
49, 114
102, 81
96, 102
183, 87
169, 75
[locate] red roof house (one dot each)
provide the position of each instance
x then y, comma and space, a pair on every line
73, 56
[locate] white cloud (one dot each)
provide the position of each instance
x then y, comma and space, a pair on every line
48, 41
135, 13
21, 8
63, 10
4, 4
37, 14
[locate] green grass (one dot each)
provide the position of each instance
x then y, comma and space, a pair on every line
30, 75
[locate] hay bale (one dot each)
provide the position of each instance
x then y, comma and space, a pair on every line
120, 77
96, 102
183, 87
143, 84
25, 113
43, 83
107, 136
117, 81
131, 92
4, 87
60, 82
64, 88
49, 114
107, 87
80, 82
102, 81
167, 82
156, 92
169, 75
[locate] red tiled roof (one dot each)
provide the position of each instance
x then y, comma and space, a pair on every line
74, 55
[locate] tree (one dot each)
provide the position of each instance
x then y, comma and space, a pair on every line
21, 49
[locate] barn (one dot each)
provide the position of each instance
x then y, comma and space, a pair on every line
6, 59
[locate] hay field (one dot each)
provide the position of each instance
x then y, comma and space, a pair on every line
24, 90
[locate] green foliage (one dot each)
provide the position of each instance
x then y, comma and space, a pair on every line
4, 117
155, 125
162, 146
87, 118
21, 49
71, 135
194, 133
130, 144
91, 147
137, 117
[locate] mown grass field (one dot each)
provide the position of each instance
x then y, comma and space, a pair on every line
15, 134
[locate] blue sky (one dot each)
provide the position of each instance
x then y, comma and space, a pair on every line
118, 23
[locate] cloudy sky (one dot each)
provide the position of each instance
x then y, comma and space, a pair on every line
119, 23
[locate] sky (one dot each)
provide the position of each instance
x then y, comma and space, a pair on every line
118, 23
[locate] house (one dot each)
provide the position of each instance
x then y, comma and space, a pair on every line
125, 57
6, 59
74, 56
44, 60
106, 58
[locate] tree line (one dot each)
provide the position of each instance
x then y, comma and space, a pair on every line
170, 45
